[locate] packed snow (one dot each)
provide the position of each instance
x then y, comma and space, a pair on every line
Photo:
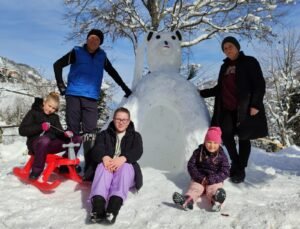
269, 198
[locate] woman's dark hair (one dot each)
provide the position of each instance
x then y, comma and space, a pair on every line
122, 109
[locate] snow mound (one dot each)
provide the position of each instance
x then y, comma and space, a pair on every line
166, 108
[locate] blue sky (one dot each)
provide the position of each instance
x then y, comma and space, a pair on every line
34, 32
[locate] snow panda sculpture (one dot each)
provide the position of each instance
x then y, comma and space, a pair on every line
165, 107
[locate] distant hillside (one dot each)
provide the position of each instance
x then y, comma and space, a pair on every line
19, 84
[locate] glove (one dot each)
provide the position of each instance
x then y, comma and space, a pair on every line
128, 93
45, 126
68, 134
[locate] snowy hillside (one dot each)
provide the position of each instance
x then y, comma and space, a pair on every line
17, 72
19, 84
270, 198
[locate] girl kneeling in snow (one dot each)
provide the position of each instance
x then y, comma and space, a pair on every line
44, 132
208, 168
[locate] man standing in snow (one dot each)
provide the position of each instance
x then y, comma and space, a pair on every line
84, 88
238, 107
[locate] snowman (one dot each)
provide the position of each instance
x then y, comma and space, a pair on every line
165, 107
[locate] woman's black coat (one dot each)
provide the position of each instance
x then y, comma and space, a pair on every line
250, 92
131, 148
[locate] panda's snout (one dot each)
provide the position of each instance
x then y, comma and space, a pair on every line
166, 42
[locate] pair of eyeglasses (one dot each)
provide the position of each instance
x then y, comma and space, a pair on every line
121, 120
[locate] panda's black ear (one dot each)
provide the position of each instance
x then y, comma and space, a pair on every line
178, 34
150, 34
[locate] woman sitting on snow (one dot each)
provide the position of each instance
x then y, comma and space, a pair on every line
208, 168
44, 132
116, 151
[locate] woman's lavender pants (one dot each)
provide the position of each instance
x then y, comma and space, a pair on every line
44, 145
118, 183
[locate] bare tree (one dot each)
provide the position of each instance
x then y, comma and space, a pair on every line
200, 19
284, 68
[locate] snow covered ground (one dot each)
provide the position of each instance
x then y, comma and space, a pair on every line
270, 198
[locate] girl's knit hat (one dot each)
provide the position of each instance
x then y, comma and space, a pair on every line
214, 134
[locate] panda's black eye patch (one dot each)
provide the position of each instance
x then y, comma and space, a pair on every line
157, 37
173, 37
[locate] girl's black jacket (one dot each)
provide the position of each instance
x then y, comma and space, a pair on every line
31, 125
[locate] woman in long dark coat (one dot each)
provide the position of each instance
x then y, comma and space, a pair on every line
238, 107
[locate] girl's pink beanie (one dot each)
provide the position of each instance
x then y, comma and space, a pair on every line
214, 134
